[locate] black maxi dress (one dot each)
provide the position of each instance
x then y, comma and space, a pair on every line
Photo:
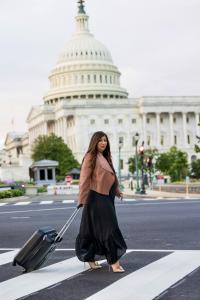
99, 235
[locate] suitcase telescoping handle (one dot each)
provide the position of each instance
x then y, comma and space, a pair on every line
67, 224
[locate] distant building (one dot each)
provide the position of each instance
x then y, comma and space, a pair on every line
85, 96
15, 157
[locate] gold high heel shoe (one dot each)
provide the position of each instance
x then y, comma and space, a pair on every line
94, 265
117, 270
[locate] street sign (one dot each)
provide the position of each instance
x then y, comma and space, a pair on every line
68, 180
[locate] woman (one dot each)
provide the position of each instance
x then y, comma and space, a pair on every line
99, 234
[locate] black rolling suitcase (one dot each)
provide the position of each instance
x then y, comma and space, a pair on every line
40, 245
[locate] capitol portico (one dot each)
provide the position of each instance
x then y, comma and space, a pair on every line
85, 95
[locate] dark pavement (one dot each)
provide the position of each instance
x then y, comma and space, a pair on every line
146, 225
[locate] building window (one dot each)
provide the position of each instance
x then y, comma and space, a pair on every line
49, 174
174, 120
188, 139
88, 78
82, 78
106, 121
175, 140
92, 121
100, 78
106, 80
188, 120
42, 174
161, 120
162, 140
120, 121
148, 120
148, 140
95, 78
133, 121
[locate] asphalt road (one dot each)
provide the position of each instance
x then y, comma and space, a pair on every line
154, 231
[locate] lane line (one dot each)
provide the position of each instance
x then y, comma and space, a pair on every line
153, 279
119, 205
29, 283
46, 202
129, 200
129, 250
68, 201
7, 257
22, 203
36, 210
20, 217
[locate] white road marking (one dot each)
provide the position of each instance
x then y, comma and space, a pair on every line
129, 250
7, 257
35, 210
46, 202
23, 203
2, 204
32, 282
153, 279
20, 217
128, 200
68, 201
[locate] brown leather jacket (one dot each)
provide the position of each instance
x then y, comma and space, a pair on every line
101, 180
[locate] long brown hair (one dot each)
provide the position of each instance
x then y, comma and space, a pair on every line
92, 149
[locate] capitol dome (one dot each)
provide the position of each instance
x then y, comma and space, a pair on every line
84, 68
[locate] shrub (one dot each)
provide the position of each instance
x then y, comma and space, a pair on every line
11, 193
42, 189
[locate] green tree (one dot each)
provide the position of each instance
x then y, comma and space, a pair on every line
173, 163
195, 169
131, 165
53, 148
147, 153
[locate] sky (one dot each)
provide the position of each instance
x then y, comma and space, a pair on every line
154, 43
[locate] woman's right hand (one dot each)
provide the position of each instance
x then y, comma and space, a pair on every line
79, 205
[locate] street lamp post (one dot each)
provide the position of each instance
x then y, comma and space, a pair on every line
137, 191
119, 163
142, 191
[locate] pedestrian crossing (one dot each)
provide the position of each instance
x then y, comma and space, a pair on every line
139, 283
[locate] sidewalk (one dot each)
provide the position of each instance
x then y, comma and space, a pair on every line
157, 194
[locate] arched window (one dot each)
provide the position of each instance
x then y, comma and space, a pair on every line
100, 78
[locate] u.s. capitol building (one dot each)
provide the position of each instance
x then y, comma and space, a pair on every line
85, 96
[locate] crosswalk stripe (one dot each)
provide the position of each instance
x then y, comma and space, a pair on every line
68, 201
46, 202
129, 200
7, 257
153, 279
32, 282
2, 204
23, 203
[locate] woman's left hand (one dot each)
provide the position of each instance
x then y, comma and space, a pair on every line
121, 196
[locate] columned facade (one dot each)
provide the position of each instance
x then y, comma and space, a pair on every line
85, 96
